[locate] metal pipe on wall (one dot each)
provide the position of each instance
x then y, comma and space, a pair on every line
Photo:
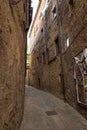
60, 48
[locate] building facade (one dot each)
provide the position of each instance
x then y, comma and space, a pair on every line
28, 10
58, 40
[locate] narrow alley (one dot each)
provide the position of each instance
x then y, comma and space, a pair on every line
44, 111
43, 63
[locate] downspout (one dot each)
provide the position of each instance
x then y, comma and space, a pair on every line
47, 50
46, 36
26, 30
60, 48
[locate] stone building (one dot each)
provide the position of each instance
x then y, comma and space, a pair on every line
57, 35
12, 64
28, 10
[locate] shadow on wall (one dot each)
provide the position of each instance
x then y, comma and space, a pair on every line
14, 1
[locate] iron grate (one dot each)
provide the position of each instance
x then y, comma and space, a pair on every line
51, 113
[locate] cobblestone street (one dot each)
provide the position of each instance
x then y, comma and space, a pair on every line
44, 111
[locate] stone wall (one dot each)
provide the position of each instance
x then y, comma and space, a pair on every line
12, 64
44, 57
73, 25
45, 67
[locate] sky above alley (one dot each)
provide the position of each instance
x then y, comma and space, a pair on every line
34, 5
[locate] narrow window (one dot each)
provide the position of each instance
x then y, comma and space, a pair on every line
54, 12
42, 30
57, 46
67, 43
43, 58
71, 2
24, 7
37, 59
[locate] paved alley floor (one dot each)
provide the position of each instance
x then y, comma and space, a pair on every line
44, 111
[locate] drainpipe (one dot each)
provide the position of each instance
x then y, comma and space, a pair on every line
60, 48
46, 37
